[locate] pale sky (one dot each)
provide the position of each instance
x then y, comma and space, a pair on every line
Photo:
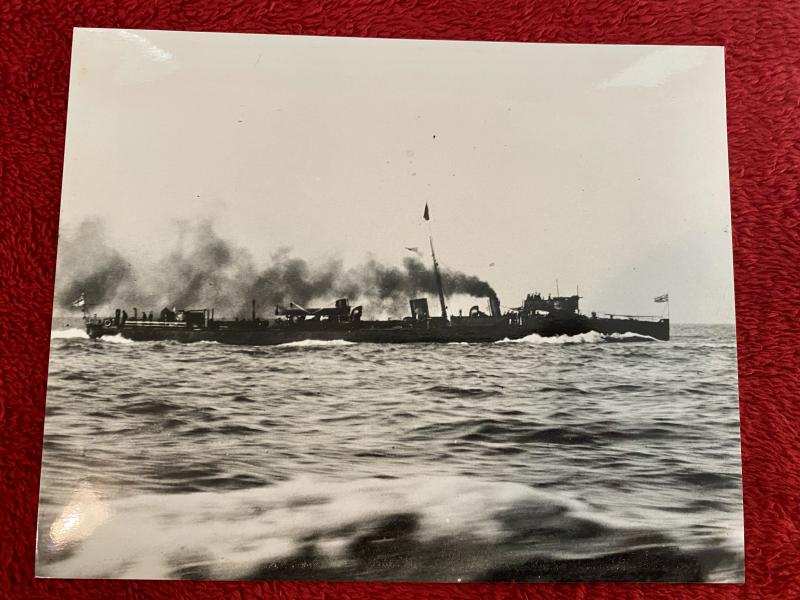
603, 167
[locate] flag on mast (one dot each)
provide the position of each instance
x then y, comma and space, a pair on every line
426, 215
661, 298
80, 302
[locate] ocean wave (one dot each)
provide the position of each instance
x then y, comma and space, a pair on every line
68, 334
414, 528
591, 337
598, 422
116, 339
315, 344
451, 391
80, 334
629, 336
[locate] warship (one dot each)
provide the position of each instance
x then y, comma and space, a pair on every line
546, 317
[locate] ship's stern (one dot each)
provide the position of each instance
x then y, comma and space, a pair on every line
97, 328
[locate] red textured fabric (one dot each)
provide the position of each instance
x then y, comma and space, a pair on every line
763, 78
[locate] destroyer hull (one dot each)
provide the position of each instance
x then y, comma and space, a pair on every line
252, 334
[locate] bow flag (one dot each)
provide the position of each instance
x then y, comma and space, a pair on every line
426, 215
80, 302
662, 298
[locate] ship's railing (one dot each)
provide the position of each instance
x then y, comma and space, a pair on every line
654, 318
139, 323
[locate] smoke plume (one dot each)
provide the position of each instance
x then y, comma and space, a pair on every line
87, 264
204, 270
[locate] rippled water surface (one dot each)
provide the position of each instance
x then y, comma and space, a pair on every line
544, 459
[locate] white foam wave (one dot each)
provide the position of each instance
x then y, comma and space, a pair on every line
592, 337
630, 336
315, 343
116, 339
232, 534
68, 334
80, 334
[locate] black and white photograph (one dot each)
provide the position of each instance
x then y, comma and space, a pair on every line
348, 309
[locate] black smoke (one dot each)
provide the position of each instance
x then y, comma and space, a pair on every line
86, 263
291, 279
205, 270
415, 277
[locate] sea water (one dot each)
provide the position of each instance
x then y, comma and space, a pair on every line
571, 459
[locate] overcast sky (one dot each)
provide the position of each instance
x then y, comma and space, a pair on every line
604, 167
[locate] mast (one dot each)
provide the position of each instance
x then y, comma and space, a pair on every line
427, 216
438, 280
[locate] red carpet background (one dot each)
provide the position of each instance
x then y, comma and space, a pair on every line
763, 88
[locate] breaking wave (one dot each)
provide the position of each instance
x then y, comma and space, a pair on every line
629, 337
68, 334
315, 343
591, 337
80, 334
417, 528
116, 339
